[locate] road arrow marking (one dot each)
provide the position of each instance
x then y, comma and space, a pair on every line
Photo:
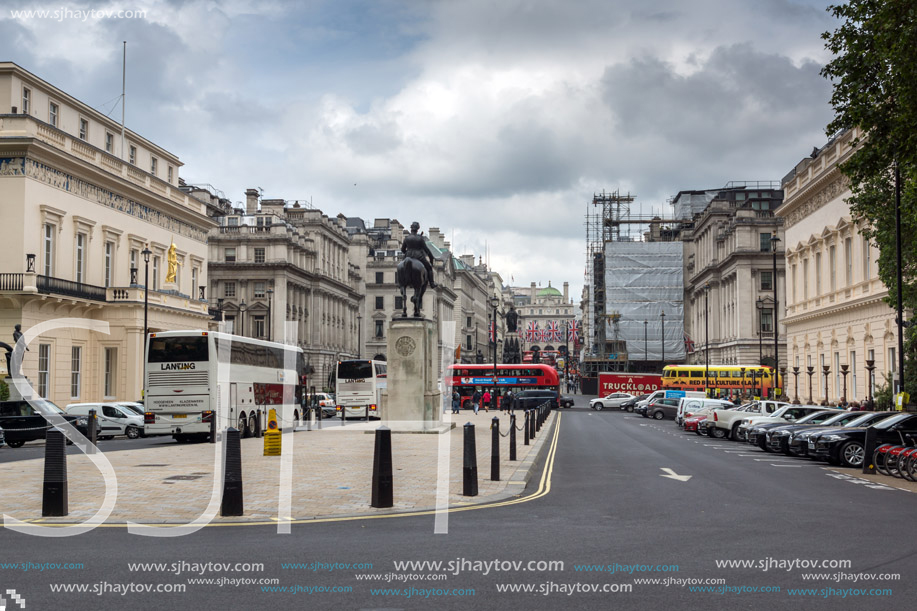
672, 475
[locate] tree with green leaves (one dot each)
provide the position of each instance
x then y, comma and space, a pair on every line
874, 75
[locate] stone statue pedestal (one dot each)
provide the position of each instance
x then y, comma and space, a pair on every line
411, 401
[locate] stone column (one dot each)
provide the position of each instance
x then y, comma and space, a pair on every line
412, 400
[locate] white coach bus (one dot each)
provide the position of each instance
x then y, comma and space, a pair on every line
184, 390
358, 387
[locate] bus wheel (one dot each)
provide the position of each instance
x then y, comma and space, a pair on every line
253, 425
466, 404
243, 426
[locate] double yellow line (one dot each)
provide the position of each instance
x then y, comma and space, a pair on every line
544, 487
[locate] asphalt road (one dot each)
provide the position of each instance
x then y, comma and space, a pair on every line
608, 504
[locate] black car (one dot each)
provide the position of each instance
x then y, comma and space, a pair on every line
798, 443
791, 414
761, 434
845, 446
528, 399
21, 422
630, 404
778, 438
2, 438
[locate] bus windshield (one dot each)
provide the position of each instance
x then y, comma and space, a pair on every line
354, 370
178, 349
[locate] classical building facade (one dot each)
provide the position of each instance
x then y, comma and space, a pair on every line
730, 287
836, 318
549, 310
81, 203
283, 272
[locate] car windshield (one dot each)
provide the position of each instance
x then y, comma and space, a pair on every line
867, 419
890, 422
133, 408
809, 417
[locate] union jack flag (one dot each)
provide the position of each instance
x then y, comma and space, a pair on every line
539, 335
532, 334
552, 333
574, 330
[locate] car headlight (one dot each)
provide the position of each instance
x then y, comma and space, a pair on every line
82, 422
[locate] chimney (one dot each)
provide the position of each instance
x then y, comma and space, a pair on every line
251, 201
534, 293
566, 292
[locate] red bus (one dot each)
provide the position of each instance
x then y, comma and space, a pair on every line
526, 376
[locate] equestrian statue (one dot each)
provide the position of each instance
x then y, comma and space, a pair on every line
415, 270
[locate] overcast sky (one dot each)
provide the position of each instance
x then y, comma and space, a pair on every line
495, 121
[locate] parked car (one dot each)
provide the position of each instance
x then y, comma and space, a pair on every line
692, 420
845, 445
566, 401
615, 399
758, 434
799, 440
21, 422
326, 403
778, 438
2, 438
788, 414
533, 398
111, 418
728, 421
630, 404
662, 408
691, 405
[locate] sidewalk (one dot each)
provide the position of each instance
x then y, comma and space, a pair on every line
332, 475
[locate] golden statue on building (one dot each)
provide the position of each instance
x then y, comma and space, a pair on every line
173, 264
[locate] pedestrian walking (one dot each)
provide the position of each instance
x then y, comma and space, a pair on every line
476, 400
507, 400
486, 400
456, 401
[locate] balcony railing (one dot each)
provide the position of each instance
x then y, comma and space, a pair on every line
11, 282
56, 286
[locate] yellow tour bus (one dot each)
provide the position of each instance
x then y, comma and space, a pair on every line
726, 381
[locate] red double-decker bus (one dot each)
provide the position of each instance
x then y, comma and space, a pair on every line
526, 376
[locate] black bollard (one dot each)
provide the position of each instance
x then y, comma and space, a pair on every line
512, 436
532, 419
213, 427
869, 449
470, 464
54, 489
383, 493
539, 412
495, 449
93, 432
232, 475
525, 428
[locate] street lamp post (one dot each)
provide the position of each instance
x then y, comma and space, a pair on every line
774, 242
242, 317
566, 355
782, 381
870, 367
706, 341
494, 302
826, 369
662, 318
270, 295
760, 305
844, 372
796, 383
810, 370
146, 305
742, 382
359, 333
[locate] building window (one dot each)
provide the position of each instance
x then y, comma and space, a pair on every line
169, 171
848, 261
765, 242
53, 112
76, 357
794, 283
154, 163
871, 355
26, 100
866, 261
229, 289
892, 361
259, 255
767, 321
805, 279
468, 322
229, 255
853, 376
132, 157
259, 290
80, 258
766, 281
44, 369
378, 329
49, 250
109, 143
111, 361
194, 286
467, 342
134, 254
84, 129
837, 374
232, 221
109, 261
818, 290
832, 264
155, 273
380, 303
380, 277
258, 322
399, 303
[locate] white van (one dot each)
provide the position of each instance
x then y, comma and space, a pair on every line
692, 405
112, 419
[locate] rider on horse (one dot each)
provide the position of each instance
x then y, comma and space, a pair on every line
415, 247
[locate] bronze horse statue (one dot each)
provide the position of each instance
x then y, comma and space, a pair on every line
411, 273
